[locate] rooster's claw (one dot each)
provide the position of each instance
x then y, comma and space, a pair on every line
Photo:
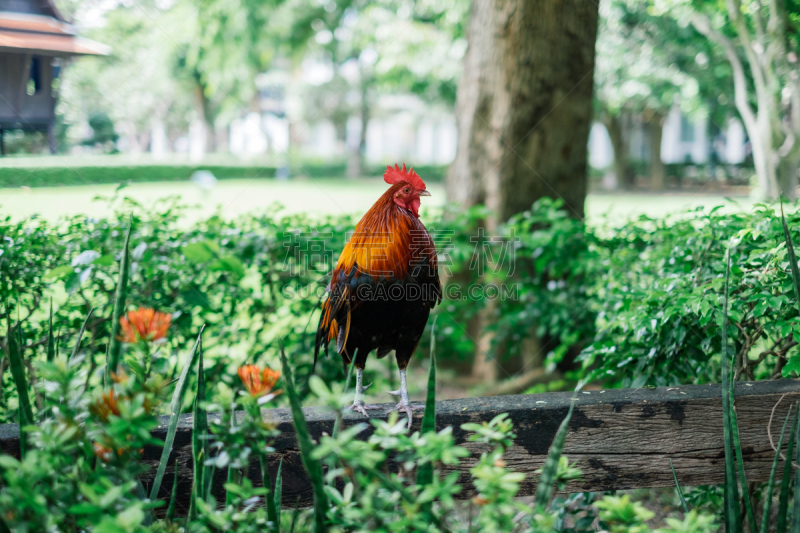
361, 407
406, 408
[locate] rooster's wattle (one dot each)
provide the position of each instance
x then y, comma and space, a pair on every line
384, 285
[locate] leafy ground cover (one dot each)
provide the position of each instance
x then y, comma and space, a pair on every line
648, 302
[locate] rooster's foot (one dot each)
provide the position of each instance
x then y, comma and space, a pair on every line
360, 407
408, 409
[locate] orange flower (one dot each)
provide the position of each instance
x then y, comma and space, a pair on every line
102, 452
105, 406
144, 324
258, 382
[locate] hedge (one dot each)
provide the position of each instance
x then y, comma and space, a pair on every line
46, 176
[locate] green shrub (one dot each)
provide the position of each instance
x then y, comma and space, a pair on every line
659, 294
641, 301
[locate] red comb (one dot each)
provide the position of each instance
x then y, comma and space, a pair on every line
396, 175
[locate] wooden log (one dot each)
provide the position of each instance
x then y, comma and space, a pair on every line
619, 438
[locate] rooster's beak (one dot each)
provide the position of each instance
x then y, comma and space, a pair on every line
425, 193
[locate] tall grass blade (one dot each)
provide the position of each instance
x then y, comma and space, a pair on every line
765, 516
783, 501
425, 472
796, 504
792, 259
115, 345
731, 498
80, 333
174, 496
175, 411
295, 515
337, 424
142, 495
51, 341
678, 488
17, 366
266, 479
235, 478
23, 435
547, 481
312, 466
278, 496
737, 447
200, 442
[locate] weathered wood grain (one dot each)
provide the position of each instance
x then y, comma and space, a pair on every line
619, 438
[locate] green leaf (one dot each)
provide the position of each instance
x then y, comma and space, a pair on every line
104, 260
792, 259
17, 365
200, 443
765, 513
272, 514
425, 472
115, 346
232, 485
793, 365
312, 466
59, 273
196, 298
175, 411
200, 252
731, 496
678, 488
783, 499
796, 503
51, 340
547, 481
173, 496
229, 263
80, 333
337, 424
278, 496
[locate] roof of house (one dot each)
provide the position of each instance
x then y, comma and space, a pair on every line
46, 34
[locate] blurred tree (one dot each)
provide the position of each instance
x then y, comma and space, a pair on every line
133, 86
524, 110
103, 133
379, 47
226, 43
760, 40
645, 64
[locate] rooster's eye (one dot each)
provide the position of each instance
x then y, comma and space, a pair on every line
406, 190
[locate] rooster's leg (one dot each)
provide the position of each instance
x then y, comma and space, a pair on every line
405, 406
358, 403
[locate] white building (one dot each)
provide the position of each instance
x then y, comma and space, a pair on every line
684, 140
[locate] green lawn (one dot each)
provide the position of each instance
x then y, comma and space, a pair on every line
323, 196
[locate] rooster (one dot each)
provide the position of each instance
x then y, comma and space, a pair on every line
383, 286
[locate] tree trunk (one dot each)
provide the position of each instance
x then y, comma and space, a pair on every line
655, 127
203, 108
524, 109
524, 105
619, 131
357, 153
787, 172
773, 125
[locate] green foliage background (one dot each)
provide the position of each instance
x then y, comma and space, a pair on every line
632, 305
